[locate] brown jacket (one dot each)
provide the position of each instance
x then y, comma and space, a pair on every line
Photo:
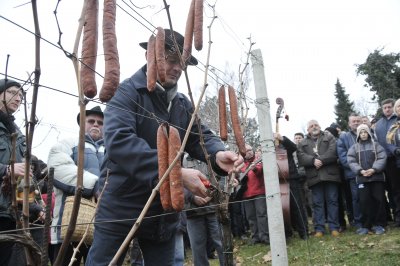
326, 152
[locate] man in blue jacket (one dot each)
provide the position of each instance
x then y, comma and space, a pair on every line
132, 118
344, 143
382, 127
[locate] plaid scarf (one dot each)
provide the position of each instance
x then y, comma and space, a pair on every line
391, 135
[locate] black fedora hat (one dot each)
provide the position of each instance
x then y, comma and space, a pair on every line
169, 44
95, 110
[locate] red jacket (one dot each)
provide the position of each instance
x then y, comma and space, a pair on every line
255, 181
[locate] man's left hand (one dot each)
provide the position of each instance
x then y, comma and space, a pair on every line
229, 161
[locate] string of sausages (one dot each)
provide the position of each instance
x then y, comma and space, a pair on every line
168, 146
234, 118
89, 51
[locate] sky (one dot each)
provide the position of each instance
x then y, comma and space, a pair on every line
306, 46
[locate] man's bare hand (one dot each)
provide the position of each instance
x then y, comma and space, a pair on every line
199, 201
192, 181
19, 169
318, 163
229, 161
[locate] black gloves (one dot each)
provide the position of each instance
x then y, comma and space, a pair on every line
397, 152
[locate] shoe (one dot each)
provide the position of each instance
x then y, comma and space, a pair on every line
244, 237
319, 234
379, 230
212, 256
304, 237
362, 231
335, 233
252, 242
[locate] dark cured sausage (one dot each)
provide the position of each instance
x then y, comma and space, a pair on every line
223, 126
236, 122
112, 71
151, 64
89, 49
175, 176
198, 25
162, 153
187, 44
160, 54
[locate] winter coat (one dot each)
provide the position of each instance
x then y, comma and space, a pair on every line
131, 120
5, 156
381, 129
63, 158
255, 181
291, 148
343, 144
326, 152
365, 155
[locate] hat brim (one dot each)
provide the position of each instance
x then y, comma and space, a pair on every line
89, 112
192, 60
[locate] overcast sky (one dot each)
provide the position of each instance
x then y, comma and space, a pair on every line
306, 46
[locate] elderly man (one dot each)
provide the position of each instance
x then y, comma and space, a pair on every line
132, 118
63, 156
317, 153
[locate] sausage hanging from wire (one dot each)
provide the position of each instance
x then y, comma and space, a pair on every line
223, 125
112, 71
236, 122
89, 50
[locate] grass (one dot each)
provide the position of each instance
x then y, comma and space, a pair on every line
348, 249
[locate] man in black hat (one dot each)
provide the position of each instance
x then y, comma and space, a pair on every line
63, 157
10, 100
132, 118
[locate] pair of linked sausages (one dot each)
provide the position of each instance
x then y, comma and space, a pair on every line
223, 122
89, 51
171, 190
156, 63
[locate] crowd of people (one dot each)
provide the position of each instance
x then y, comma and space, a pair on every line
332, 174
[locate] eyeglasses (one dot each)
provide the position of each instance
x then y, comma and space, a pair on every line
92, 121
15, 93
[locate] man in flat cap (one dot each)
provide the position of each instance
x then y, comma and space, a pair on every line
132, 118
63, 157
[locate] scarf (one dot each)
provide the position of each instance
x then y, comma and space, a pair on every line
8, 121
391, 135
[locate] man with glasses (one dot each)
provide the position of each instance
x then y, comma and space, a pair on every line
64, 158
10, 100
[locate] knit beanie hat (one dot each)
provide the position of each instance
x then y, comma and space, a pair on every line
333, 131
363, 127
7, 83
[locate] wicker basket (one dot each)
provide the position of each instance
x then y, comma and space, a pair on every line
85, 215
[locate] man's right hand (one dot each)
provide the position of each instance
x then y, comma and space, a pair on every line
192, 181
318, 163
199, 201
19, 169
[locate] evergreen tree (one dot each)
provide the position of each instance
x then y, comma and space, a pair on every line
344, 106
382, 73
